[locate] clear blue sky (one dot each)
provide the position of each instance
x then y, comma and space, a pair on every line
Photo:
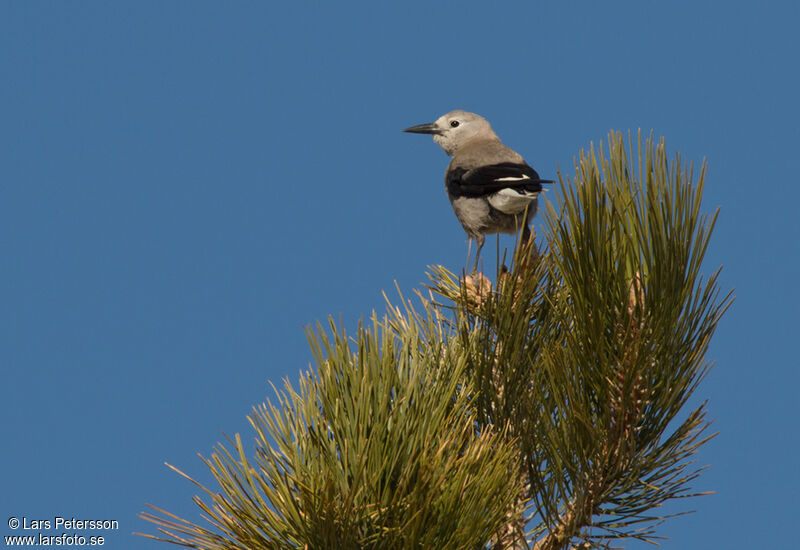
185, 185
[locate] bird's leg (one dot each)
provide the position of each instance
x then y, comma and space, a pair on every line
522, 238
469, 250
526, 233
526, 256
480, 240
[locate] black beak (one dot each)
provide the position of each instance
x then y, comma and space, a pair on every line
429, 128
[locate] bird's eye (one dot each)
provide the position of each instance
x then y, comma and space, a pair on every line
454, 123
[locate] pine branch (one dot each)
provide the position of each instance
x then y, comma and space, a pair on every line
590, 350
378, 448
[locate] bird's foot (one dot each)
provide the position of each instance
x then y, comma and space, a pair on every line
478, 287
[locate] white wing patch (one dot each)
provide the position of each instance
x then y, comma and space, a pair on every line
512, 201
514, 178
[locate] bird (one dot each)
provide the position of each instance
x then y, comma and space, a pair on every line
490, 186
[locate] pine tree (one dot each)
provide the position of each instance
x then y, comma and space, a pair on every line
543, 411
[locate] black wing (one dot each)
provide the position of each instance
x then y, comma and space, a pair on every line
486, 180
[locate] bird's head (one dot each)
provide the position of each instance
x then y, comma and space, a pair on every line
453, 130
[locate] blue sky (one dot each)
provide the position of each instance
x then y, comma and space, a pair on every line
185, 185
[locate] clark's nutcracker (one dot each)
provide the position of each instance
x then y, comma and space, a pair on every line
491, 187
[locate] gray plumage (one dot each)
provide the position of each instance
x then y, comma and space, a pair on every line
491, 187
